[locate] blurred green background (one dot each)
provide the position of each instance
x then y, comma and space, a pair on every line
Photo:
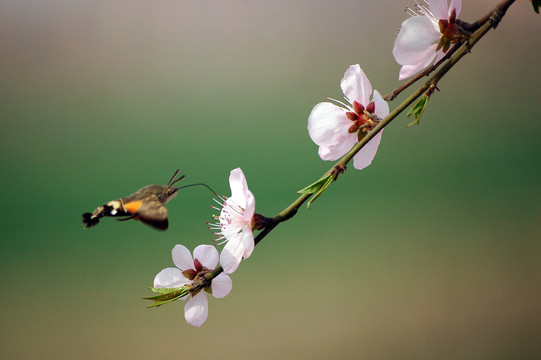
432, 252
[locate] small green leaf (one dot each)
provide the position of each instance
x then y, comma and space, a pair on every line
417, 110
158, 297
163, 290
315, 187
535, 4
166, 295
158, 303
328, 180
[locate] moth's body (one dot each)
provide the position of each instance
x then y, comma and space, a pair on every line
145, 205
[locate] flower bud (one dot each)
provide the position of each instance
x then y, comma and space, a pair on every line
190, 274
352, 116
358, 107
354, 128
198, 265
371, 107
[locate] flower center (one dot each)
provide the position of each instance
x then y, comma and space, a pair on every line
450, 31
230, 213
364, 119
197, 275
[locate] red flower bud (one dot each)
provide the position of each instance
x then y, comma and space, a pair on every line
198, 265
352, 116
452, 18
190, 274
371, 107
357, 107
443, 25
354, 128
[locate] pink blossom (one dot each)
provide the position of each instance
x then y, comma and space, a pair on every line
425, 37
235, 223
188, 271
337, 128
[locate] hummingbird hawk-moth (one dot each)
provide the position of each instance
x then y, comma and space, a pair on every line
145, 205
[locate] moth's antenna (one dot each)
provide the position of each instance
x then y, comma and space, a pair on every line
199, 184
177, 180
171, 182
175, 174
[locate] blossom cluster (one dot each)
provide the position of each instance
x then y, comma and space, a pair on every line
336, 127
233, 227
423, 39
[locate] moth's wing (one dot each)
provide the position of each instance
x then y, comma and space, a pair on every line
127, 218
152, 212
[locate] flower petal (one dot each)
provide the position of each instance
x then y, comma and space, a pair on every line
196, 309
327, 123
382, 107
221, 285
170, 278
355, 85
247, 241
335, 152
238, 185
439, 55
249, 207
409, 70
241, 197
232, 254
207, 255
182, 257
416, 35
231, 226
365, 156
439, 9
457, 5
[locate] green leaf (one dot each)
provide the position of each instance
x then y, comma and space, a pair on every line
159, 303
328, 180
163, 290
535, 4
166, 295
315, 187
417, 110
